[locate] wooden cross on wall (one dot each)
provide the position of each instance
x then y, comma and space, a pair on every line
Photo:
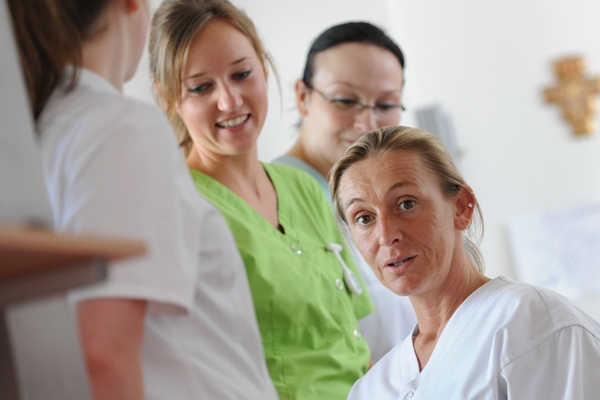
575, 94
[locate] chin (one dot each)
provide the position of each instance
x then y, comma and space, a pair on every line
241, 149
400, 291
338, 153
400, 287
346, 145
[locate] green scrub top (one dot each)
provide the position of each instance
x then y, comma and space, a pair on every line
307, 318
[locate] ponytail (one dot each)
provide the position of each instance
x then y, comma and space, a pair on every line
49, 36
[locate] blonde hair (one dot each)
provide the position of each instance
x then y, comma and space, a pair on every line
434, 157
175, 25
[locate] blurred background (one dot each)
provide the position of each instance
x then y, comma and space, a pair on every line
485, 65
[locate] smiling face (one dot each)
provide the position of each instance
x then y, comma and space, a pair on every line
356, 71
224, 92
402, 224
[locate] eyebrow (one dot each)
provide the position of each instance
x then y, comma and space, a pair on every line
355, 88
199, 74
397, 185
390, 189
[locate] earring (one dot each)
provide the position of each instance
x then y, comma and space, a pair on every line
470, 205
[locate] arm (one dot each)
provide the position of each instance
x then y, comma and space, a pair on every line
112, 332
563, 366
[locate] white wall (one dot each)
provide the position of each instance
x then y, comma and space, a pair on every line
486, 63
45, 354
23, 197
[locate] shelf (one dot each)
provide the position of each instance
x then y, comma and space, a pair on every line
30, 251
35, 263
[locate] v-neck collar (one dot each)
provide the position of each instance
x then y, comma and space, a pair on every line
219, 193
456, 327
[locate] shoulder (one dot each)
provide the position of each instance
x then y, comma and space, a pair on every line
286, 171
512, 299
550, 338
297, 187
292, 177
81, 122
298, 164
523, 298
530, 313
87, 111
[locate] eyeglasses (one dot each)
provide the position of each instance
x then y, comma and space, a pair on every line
353, 107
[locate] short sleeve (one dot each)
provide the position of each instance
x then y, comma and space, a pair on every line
563, 366
122, 177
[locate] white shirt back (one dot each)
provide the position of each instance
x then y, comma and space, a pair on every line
112, 167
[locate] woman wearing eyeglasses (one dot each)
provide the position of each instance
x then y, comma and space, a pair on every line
352, 84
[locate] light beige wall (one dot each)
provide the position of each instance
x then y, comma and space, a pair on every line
485, 63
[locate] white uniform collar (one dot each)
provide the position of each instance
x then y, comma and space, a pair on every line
88, 78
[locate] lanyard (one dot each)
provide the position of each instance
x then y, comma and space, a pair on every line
351, 280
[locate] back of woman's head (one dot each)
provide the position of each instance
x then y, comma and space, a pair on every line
175, 25
433, 156
349, 32
49, 35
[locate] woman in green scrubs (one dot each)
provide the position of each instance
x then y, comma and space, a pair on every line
210, 72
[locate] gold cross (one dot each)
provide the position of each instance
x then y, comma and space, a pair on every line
575, 94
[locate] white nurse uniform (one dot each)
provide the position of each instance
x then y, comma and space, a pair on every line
112, 167
508, 340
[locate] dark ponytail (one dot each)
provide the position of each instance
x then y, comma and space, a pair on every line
49, 36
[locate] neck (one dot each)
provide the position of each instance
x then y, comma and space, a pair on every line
106, 52
244, 176
434, 311
232, 171
299, 151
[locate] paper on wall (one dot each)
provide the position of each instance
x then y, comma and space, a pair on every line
559, 250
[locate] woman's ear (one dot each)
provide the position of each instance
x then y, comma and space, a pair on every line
301, 97
464, 207
158, 96
132, 5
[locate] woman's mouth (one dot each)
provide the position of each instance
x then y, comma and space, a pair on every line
400, 262
233, 122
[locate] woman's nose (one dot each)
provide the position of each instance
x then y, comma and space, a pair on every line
366, 121
229, 98
389, 233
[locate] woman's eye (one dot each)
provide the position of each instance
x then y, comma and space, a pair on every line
344, 102
199, 89
363, 219
242, 75
387, 106
407, 204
